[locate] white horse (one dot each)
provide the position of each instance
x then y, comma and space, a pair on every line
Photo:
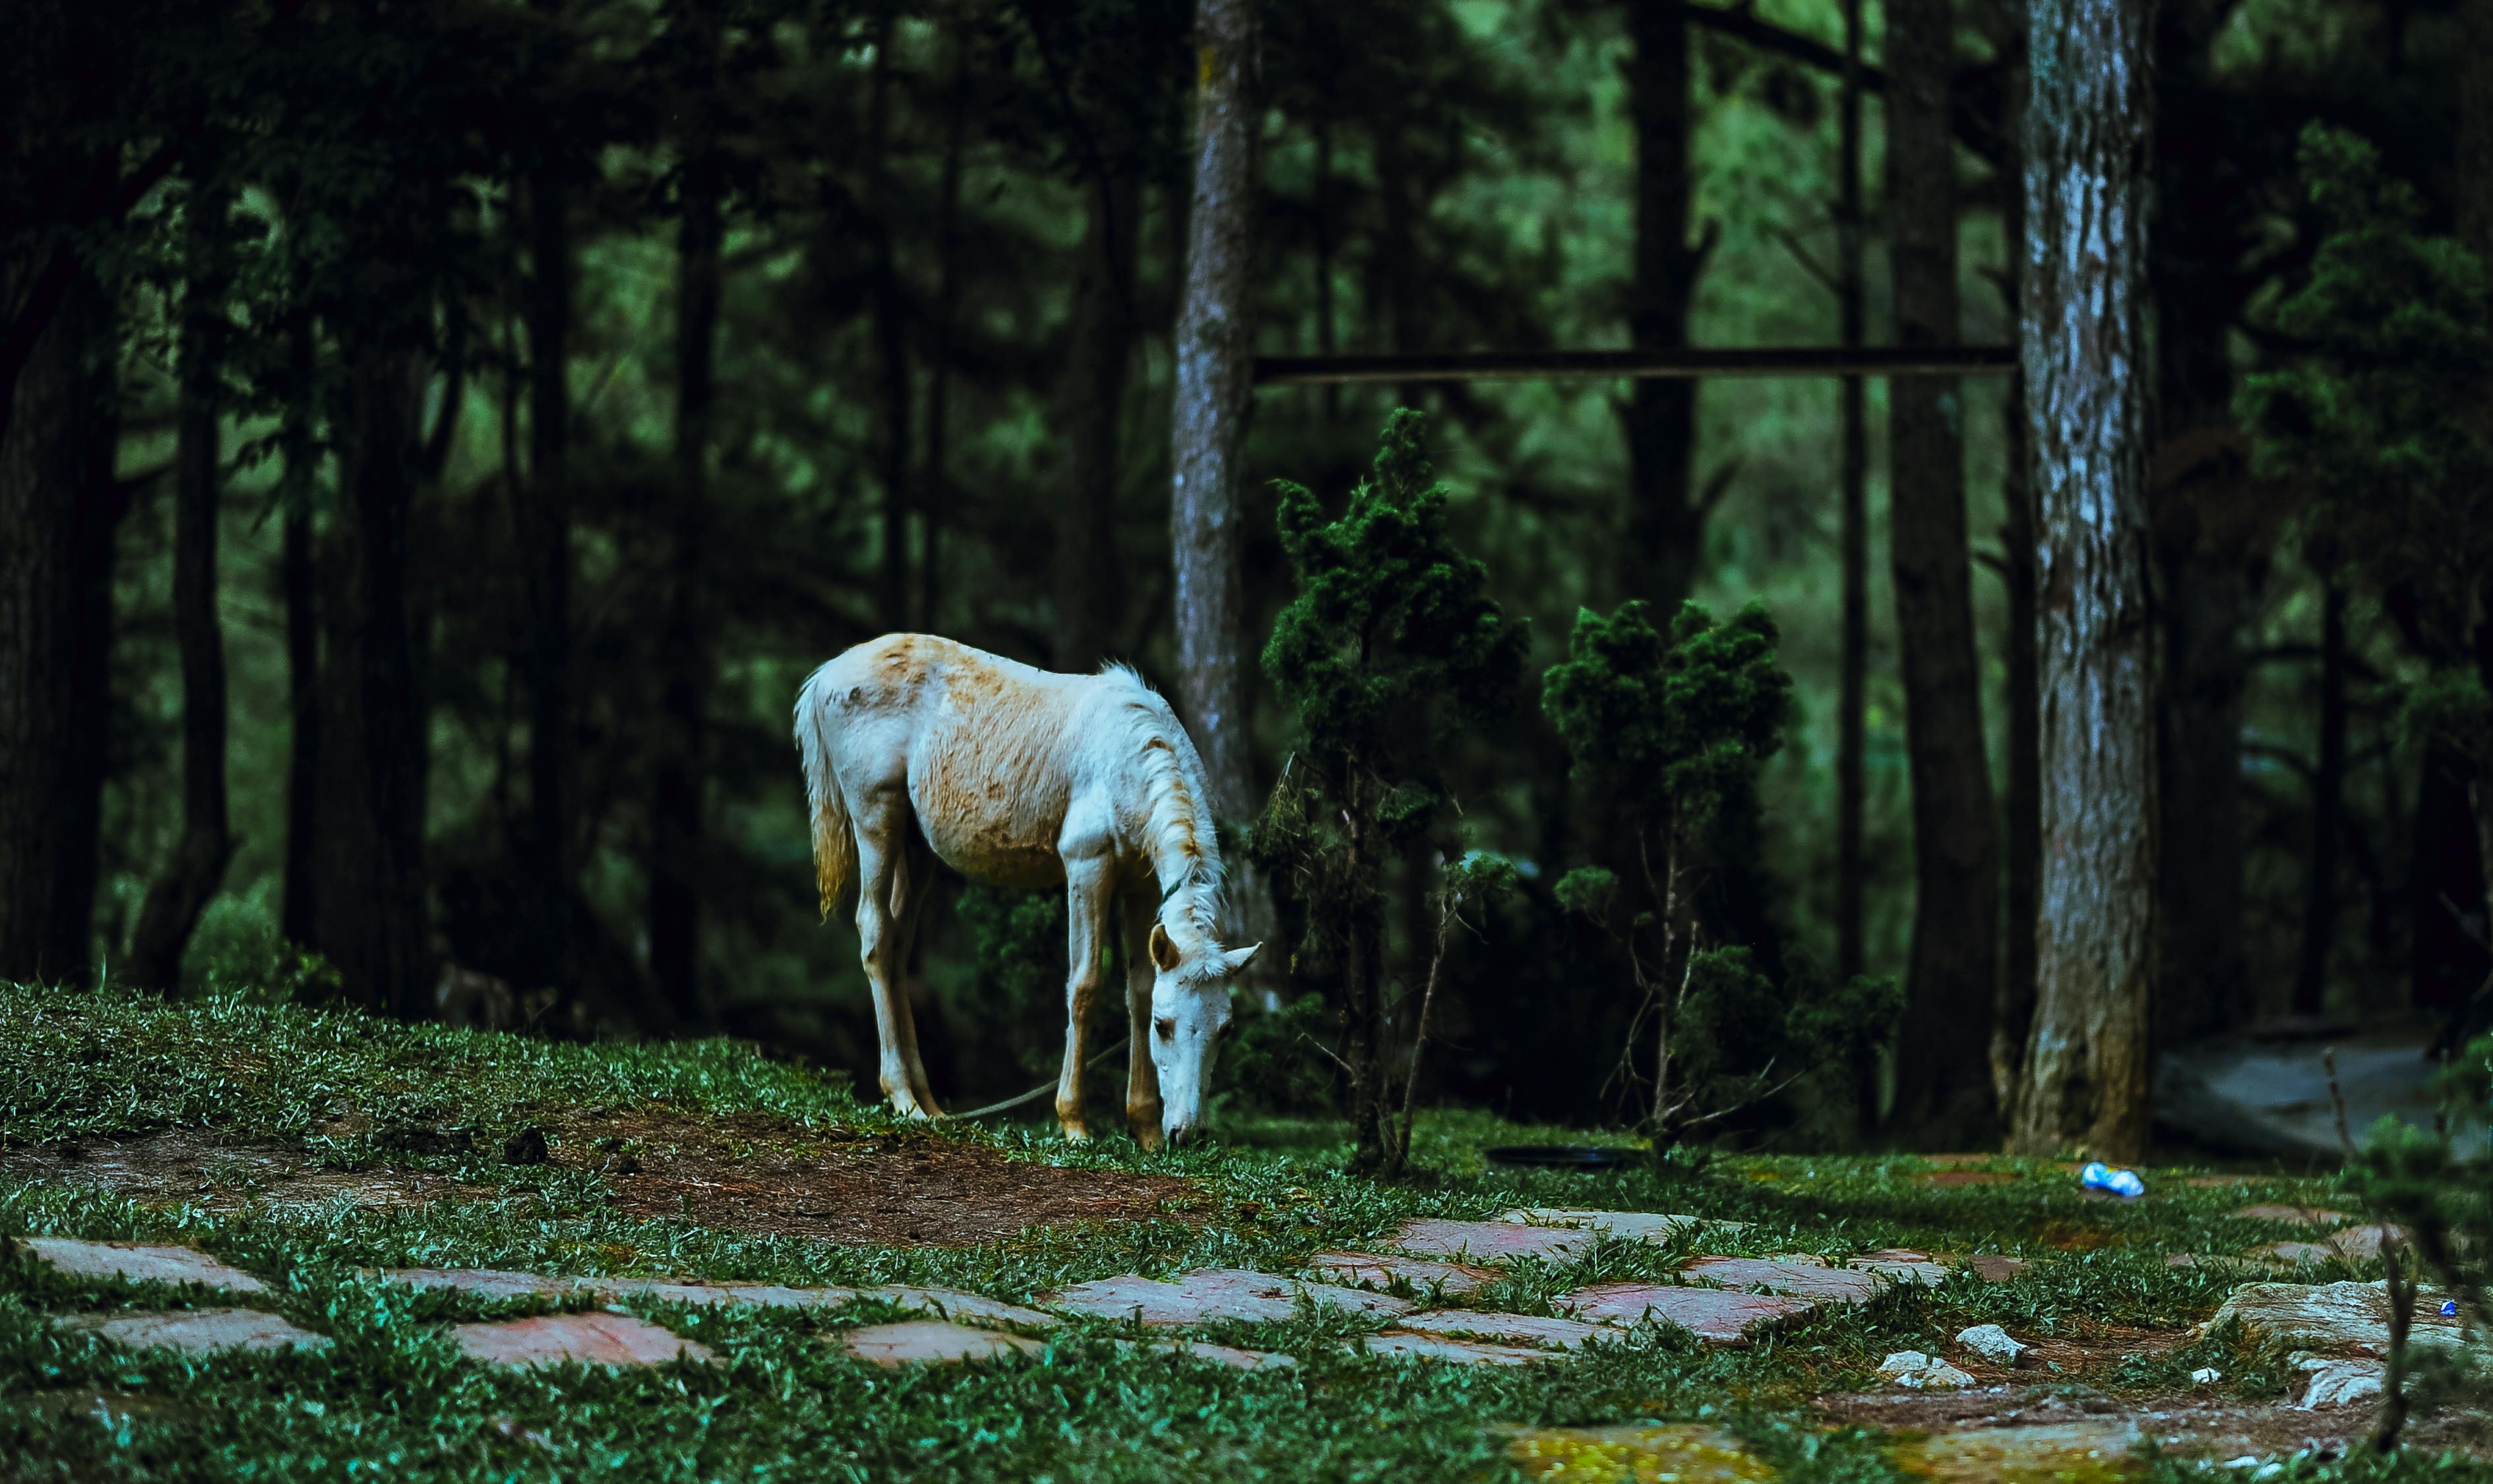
1022, 777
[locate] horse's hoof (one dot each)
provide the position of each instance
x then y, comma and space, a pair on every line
907, 1106
1076, 1134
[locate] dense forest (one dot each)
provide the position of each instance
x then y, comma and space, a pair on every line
441, 435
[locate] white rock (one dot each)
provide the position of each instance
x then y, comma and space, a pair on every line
2205, 1376
1916, 1371
1898, 1362
1991, 1343
2341, 1383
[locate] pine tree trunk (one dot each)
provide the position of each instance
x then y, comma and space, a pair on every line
1851, 784
298, 579
2025, 812
675, 824
41, 602
546, 568
1099, 347
1665, 529
2328, 804
2087, 120
1943, 1075
102, 503
372, 920
1215, 363
207, 847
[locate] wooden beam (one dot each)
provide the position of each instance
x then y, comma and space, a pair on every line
1609, 365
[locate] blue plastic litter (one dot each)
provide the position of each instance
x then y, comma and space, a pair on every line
2450, 1308
2124, 1183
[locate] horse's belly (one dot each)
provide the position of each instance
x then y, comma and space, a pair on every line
1003, 841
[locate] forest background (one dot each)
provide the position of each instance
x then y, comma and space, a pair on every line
704, 341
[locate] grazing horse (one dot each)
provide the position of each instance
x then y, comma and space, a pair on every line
916, 749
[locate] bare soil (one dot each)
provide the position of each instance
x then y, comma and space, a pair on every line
2197, 1424
191, 1166
755, 1174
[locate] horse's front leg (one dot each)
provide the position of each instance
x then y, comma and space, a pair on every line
1142, 1076
1089, 901
881, 822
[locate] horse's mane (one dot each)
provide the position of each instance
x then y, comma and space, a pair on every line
1185, 849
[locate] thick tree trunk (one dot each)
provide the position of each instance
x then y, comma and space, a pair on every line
1099, 347
2088, 123
43, 591
1943, 1075
372, 920
2016, 536
1665, 528
675, 814
1851, 786
546, 568
298, 580
206, 848
1215, 356
2328, 805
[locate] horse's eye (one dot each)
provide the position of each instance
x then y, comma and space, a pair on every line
1166, 1030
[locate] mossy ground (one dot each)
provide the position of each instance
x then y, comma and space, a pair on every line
391, 1399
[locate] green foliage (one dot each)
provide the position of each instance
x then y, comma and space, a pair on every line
2450, 710
2381, 412
1667, 731
1589, 892
1018, 939
237, 950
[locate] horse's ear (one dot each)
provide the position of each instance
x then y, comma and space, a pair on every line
1163, 951
1237, 959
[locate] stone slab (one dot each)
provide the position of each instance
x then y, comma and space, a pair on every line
489, 1282
2339, 1382
1798, 1277
2354, 1244
1506, 1328
594, 1339
932, 1342
1626, 1226
140, 1262
1380, 1270
2299, 1216
958, 1306
1217, 1354
1903, 1264
198, 1331
1687, 1452
1992, 1267
2332, 1316
1716, 1316
1407, 1344
1208, 1294
1493, 1242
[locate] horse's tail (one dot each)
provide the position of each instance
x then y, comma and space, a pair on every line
834, 846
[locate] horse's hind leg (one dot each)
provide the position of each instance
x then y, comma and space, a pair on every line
911, 886
1090, 914
881, 821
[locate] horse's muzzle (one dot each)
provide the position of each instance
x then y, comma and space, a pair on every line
1179, 1135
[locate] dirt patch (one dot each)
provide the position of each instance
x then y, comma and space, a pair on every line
189, 1165
755, 1174
1951, 1177
2203, 1424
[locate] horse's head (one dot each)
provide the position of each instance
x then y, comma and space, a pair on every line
1189, 1009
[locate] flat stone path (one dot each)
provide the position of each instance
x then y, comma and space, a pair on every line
1380, 1270
942, 1303
1211, 1294
197, 1331
596, 1339
140, 1262
2334, 1318
1218, 1354
1508, 1328
1717, 1315
1857, 1282
1409, 1345
931, 1342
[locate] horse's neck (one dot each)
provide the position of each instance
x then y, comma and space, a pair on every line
1178, 833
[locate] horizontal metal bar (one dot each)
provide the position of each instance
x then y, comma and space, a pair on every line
1601, 365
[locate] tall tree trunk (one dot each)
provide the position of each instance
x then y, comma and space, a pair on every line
1215, 363
372, 920
2328, 804
102, 503
2475, 176
891, 341
2088, 117
1099, 347
298, 584
544, 522
2015, 1011
935, 483
676, 823
1851, 784
2204, 216
1665, 528
206, 848
44, 568
1943, 1076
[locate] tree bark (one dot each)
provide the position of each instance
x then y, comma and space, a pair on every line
1099, 347
1215, 359
371, 922
2025, 814
206, 848
2087, 143
1943, 1076
2327, 807
1665, 529
298, 581
545, 524
676, 823
1851, 787
42, 601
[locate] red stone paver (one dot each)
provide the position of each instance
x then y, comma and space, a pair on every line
596, 1339
1508, 1329
1376, 1270
932, 1342
140, 1262
198, 1331
1492, 1241
1992, 1267
1716, 1316
1901, 1264
1405, 1344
